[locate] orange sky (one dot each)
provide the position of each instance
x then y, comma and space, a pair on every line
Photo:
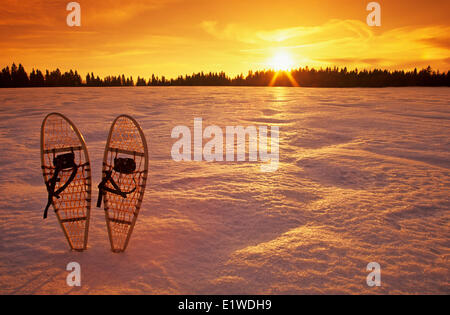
171, 37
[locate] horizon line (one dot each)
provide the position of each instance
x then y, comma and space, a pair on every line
331, 76
290, 70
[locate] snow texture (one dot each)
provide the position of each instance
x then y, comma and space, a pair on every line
364, 176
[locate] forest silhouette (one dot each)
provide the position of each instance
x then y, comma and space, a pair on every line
16, 76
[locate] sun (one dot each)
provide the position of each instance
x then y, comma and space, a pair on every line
281, 61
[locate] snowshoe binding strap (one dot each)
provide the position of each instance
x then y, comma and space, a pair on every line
122, 166
60, 162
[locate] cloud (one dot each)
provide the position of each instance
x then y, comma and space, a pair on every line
344, 42
115, 11
349, 61
51, 13
231, 32
443, 42
308, 34
325, 32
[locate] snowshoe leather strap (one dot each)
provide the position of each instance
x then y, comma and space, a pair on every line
124, 165
102, 188
61, 162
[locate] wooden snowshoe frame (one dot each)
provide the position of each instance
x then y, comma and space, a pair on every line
73, 207
126, 139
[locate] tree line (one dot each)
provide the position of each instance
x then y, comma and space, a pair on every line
16, 76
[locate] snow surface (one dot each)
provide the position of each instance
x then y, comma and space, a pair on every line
363, 176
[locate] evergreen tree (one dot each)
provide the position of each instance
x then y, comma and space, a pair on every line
5, 78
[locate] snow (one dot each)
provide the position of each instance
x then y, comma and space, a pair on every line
364, 175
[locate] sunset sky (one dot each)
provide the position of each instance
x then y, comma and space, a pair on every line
171, 37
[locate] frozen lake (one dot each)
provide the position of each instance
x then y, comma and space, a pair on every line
364, 176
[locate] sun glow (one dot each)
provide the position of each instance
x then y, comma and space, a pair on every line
281, 61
